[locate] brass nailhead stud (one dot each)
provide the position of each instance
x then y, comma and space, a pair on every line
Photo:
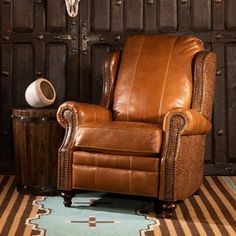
220, 132
218, 36
6, 1
84, 52
40, 37
117, 38
38, 72
5, 37
150, 2
184, 1
5, 73
218, 72
74, 50
118, 2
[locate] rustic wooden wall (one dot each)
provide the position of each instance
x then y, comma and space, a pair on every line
39, 39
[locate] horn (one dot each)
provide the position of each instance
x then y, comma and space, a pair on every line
72, 7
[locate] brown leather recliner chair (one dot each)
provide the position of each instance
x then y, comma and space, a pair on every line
148, 135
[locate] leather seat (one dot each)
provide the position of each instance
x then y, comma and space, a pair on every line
147, 136
111, 137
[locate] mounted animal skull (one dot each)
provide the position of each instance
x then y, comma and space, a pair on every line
72, 7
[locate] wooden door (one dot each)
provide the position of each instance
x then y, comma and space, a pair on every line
105, 24
38, 39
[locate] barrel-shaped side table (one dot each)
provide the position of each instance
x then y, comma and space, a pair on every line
37, 137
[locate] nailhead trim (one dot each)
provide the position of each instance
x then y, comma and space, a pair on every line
65, 152
176, 123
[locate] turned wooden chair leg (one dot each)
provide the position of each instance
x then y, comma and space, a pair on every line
67, 196
165, 208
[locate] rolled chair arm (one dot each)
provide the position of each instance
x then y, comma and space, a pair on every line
177, 124
194, 122
70, 115
81, 113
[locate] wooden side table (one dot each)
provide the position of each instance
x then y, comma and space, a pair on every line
37, 137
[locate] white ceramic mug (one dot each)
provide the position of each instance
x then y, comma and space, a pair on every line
40, 93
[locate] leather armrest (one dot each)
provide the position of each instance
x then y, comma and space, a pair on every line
194, 122
81, 113
70, 115
182, 156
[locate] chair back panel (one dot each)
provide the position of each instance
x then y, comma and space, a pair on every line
155, 75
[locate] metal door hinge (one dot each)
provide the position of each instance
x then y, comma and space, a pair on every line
86, 38
64, 37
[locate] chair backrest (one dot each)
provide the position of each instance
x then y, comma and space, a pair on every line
155, 75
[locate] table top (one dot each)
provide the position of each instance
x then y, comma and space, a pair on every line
34, 114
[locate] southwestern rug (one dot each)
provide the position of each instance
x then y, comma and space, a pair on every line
212, 212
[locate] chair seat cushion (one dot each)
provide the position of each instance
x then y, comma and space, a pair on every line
135, 138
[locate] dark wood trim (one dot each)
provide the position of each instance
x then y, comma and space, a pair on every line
220, 169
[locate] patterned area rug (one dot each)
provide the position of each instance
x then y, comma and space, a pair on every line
113, 215
15, 208
212, 212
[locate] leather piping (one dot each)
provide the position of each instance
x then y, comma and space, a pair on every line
197, 104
